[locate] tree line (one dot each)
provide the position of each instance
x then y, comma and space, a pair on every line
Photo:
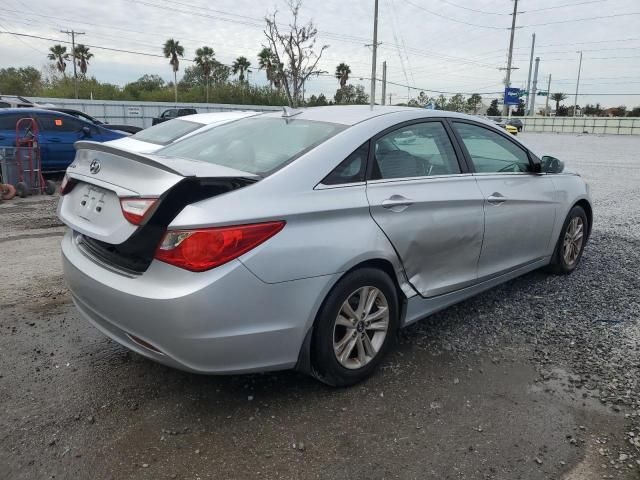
289, 57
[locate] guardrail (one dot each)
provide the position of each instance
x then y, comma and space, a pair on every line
595, 125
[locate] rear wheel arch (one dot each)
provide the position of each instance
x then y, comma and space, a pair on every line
304, 357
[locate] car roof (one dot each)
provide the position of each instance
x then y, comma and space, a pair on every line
213, 117
353, 114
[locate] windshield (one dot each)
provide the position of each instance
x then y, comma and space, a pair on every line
257, 145
167, 132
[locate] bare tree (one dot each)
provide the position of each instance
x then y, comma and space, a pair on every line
295, 58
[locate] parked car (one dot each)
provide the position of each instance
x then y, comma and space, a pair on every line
154, 138
58, 133
85, 116
515, 122
508, 127
306, 240
172, 113
16, 101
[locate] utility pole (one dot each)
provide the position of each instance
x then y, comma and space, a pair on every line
533, 44
73, 34
532, 99
575, 102
507, 81
373, 59
390, 98
546, 104
384, 81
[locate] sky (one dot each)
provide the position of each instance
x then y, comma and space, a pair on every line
429, 45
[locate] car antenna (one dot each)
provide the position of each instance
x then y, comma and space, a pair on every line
288, 112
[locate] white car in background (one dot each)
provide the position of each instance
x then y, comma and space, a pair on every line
158, 136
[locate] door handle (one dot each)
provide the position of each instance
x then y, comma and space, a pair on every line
496, 198
54, 139
397, 203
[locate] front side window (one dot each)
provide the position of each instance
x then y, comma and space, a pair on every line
257, 145
59, 123
169, 113
490, 152
417, 150
352, 169
166, 132
8, 122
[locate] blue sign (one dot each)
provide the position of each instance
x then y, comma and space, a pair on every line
430, 106
512, 96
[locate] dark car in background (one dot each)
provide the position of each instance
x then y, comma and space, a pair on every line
515, 122
57, 134
85, 116
172, 113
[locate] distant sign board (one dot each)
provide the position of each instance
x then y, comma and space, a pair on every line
134, 111
512, 96
430, 106
543, 94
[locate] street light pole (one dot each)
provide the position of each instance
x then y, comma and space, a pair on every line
384, 82
546, 103
507, 81
534, 90
575, 102
373, 57
533, 44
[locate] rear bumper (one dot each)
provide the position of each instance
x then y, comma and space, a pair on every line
222, 321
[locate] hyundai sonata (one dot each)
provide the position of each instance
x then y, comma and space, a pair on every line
305, 239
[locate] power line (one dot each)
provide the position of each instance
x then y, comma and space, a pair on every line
492, 27
580, 19
562, 6
472, 9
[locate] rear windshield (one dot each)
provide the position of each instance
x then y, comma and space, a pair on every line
259, 145
167, 132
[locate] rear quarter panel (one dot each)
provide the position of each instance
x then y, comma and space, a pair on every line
570, 189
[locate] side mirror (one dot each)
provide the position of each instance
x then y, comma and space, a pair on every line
86, 131
552, 165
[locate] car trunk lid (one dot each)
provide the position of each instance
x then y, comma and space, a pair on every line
103, 175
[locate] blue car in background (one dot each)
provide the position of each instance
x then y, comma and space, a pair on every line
57, 134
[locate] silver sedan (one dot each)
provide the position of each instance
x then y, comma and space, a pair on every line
305, 239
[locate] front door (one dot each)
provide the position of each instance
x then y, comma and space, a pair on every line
431, 211
520, 206
58, 133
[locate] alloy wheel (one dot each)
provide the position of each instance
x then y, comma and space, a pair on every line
361, 327
573, 238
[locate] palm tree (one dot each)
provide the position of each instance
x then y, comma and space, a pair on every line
172, 50
205, 58
558, 97
82, 56
266, 62
342, 74
240, 66
60, 56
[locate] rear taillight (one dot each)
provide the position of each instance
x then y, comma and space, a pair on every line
136, 210
67, 185
200, 250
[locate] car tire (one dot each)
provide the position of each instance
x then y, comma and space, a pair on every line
22, 190
7, 191
341, 355
50, 187
571, 242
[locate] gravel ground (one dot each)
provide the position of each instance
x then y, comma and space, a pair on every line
535, 379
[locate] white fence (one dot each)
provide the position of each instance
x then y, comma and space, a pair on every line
139, 114
596, 125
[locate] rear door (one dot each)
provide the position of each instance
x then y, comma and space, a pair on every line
520, 206
428, 205
58, 133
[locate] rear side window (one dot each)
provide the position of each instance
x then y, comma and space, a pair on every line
351, 170
167, 132
490, 152
259, 145
416, 150
8, 122
56, 123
